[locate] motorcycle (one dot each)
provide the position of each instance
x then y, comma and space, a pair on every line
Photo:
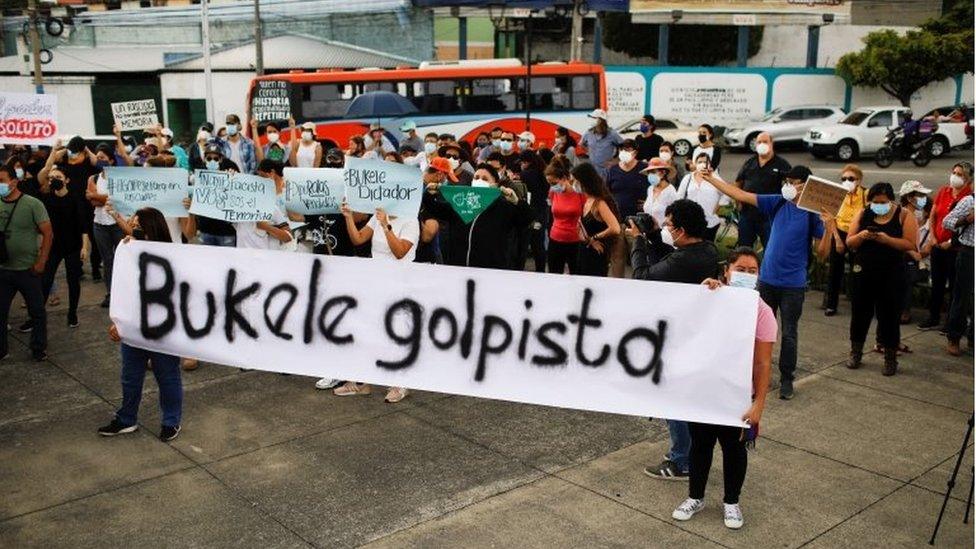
896, 147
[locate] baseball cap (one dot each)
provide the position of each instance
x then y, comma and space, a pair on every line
800, 173
168, 133
442, 165
912, 186
527, 136
408, 125
308, 126
598, 113
213, 147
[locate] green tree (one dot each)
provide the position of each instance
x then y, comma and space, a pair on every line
901, 65
688, 45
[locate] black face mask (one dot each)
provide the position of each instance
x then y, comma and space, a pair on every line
702, 138
138, 233
57, 184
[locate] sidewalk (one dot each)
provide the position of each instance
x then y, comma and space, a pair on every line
856, 459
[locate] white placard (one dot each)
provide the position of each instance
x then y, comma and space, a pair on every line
633, 347
626, 96
28, 119
135, 115
708, 97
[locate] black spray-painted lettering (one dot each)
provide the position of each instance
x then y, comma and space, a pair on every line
276, 325
161, 296
410, 339
191, 332
231, 301
329, 328
582, 321
655, 339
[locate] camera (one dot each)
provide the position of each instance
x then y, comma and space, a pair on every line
643, 221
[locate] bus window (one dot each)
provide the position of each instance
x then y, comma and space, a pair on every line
325, 101
584, 96
378, 86
490, 95
437, 96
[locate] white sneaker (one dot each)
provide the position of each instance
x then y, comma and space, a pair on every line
733, 516
327, 383
688, 509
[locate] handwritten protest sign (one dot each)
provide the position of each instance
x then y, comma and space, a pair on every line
469, 202
235, 198
271, 101
28, 119
314, 191
135, 115
371, 184
821, 195
554, 340
132, 188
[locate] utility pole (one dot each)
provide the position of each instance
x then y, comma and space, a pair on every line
207, 80
258, 40
576, 38
35, 41
528, 72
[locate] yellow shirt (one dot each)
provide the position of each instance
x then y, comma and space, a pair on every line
854, 202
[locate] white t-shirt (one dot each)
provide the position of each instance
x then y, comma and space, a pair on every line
235, 152
101, 216
305, 157
250, 236
656, 205
404, 228
175, 231
705, 195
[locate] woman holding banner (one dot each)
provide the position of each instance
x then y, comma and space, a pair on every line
391, 239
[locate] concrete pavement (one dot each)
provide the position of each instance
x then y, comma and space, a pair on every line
856, 459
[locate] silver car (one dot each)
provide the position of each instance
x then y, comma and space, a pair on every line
784, 124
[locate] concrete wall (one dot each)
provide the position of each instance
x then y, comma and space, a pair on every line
75, 115
229, 90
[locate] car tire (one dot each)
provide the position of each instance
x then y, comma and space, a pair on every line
938, 147
682, 147
751, 142
846, 150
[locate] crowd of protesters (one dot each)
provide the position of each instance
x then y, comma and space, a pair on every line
593, 205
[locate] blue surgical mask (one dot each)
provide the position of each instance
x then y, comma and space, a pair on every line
557, 188
231, 129
4, 190
506, 145
19, 172
653, 179
213, 165
881, 209
921, 201
429, 147
497, 143
740, 279
644, 128
101, 164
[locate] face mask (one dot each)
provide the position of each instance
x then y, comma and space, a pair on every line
203, 135
653, 179
273, 137
101, 164
626, 156
19, 172
762, 149
231, 129
429, 147
644, 128
740, 279
57, 184
523, 144
128, 148
560, 140
955, 181
4, 190
482, 143
789, 191
664, 155
849, 185
557, 188
506, 146
702, 138
478, 182
881, 209
454, 162
667, 238
920, 202
74, 155
497, 143
213, 165
576, 188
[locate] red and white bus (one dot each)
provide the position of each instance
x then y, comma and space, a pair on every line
460, 98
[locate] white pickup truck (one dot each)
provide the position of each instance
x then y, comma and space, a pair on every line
863, 131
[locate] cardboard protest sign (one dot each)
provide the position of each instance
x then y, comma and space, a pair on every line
131, 188
469, 202
271, 101
234, 198
135, 115
314, 191
553, 340
28, 119
371, 184
821, 195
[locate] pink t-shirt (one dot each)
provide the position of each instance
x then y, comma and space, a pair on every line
765, 324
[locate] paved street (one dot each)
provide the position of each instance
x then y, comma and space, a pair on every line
264, 460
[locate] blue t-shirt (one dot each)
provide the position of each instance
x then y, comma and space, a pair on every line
788, 250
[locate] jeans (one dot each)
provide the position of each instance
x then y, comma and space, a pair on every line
29, 286
734, 459
961, 308
72, 267
166, 368
228, 241
680, 444
943, 264
787, 304
753, 225
107, 238
835, 274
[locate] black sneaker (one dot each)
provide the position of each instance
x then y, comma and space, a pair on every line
830, 312
929, 324
666, 470
40, 356
106, 302
167, 433
116, 428
72, 320
786, 391
26, 327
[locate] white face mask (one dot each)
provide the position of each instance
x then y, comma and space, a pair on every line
626, 156
665, 156
956, 181
667, 238
412, 161
523, 144
478, 182
429, 147
762, 149
306, 135
741, 279
272, 137
789, 191
454, 162
203, 135
849, 185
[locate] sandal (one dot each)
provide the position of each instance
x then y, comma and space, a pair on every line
395, 394
351, 388
54, 301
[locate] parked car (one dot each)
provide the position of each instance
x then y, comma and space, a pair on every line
679, 133
956, 114
862, 133
784, 124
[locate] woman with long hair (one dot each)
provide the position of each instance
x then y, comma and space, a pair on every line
599, 226
567, 209
564, 144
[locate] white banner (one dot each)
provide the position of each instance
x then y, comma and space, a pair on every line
28, 119
610, 345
